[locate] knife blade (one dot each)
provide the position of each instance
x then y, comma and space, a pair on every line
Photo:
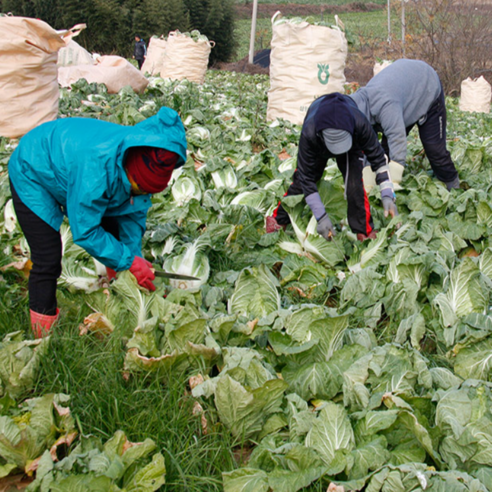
177, 276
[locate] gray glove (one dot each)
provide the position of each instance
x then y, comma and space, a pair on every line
389, 206
388, 198
453, 184
325, 227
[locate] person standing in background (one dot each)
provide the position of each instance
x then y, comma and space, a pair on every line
139, 51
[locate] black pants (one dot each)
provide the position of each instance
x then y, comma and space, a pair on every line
46, 254
433, 137
140, 63
358, 210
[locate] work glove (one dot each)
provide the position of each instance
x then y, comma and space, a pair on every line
325, 227
396, 173
369, 178
389, 205
142, 270
395, 170
455, 184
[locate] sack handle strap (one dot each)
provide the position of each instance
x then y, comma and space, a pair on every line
71, 33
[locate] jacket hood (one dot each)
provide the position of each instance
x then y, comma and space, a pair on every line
165, 130
334, 112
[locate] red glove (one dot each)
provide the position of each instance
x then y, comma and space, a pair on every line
111, 274
142, 269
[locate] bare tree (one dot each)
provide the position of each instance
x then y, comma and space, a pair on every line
454, 36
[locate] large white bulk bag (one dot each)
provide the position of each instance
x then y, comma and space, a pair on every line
380, 66
475, 95
74, 54
113, 71
185, 58
155, 56
28, 74
306, 62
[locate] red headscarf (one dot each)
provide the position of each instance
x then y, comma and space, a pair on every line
150, 168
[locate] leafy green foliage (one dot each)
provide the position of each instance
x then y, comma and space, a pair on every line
362, 364
118, 465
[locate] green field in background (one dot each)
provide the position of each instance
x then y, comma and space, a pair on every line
362, 28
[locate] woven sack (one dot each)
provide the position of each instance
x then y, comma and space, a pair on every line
74, 54
185, 58
306, 62
28, 74
113, 71
155, 56
475, 95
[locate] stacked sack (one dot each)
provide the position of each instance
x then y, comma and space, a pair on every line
73, 53
380, 66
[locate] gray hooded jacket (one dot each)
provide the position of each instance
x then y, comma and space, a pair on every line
396, 98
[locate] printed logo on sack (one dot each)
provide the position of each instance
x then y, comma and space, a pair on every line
323, 73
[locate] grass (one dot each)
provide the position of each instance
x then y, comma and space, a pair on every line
145, 406
103, 401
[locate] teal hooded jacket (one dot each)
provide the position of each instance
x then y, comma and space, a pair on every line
75, 167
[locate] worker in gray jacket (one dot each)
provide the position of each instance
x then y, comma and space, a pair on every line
405, 94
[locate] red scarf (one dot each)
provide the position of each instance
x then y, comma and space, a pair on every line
150, 168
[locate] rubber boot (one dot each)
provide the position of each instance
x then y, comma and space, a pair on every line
41, 324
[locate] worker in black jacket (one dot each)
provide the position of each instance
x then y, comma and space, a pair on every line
139, 51
334, 127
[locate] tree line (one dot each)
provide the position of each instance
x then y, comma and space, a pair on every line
112, 24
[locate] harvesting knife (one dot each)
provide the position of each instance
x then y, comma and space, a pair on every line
177, 276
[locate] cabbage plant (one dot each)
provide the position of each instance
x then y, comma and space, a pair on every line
184, 189
224, 178
192, 261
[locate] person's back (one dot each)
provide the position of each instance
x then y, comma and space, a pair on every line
409, 85
404, 94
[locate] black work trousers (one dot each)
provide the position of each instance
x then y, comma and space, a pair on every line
358, 209
432, 134
46, 254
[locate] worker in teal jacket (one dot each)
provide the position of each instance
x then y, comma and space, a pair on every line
99, 176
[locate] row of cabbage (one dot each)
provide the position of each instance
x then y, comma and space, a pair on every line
361, 364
